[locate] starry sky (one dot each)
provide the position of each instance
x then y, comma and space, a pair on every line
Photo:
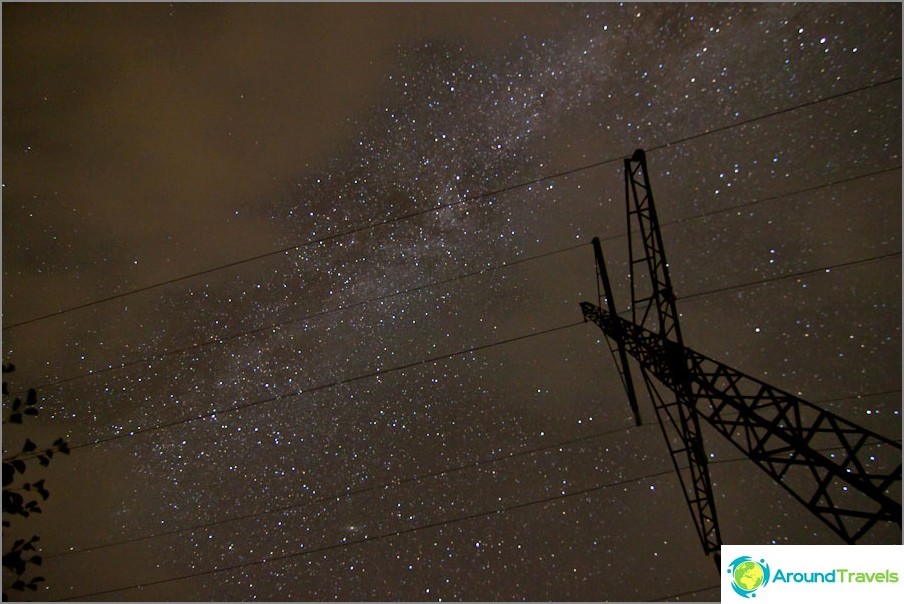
299, 284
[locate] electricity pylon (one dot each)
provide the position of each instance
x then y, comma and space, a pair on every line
787, 437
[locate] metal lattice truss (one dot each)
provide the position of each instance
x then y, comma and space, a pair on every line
815, 455
785, 436
647, 254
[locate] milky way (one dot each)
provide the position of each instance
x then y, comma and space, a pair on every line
315, 415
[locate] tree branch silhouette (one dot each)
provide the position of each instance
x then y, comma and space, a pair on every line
22, 499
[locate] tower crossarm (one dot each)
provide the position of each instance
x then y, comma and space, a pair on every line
829, 464
822, 459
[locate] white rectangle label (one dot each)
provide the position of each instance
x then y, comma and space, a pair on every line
803, 573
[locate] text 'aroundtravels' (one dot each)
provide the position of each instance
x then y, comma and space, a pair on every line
839, 575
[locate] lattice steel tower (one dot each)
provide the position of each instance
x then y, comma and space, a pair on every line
784, 435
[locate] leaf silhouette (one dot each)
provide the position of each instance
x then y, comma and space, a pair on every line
12, 502
13, 561
24, 501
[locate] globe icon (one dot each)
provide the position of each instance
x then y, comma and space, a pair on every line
748, 575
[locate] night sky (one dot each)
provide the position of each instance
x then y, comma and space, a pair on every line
396, 397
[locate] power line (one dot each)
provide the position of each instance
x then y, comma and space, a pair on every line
380, 537
346, 493
400, 532
324, 386
394, 483
775, 113
754, 202
687, 593
381, 372
826, 185
791, 275
200, 345
859, 396
467, 199
325, 239
220, 340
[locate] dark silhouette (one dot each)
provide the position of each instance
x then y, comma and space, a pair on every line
783, 434
20, 498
